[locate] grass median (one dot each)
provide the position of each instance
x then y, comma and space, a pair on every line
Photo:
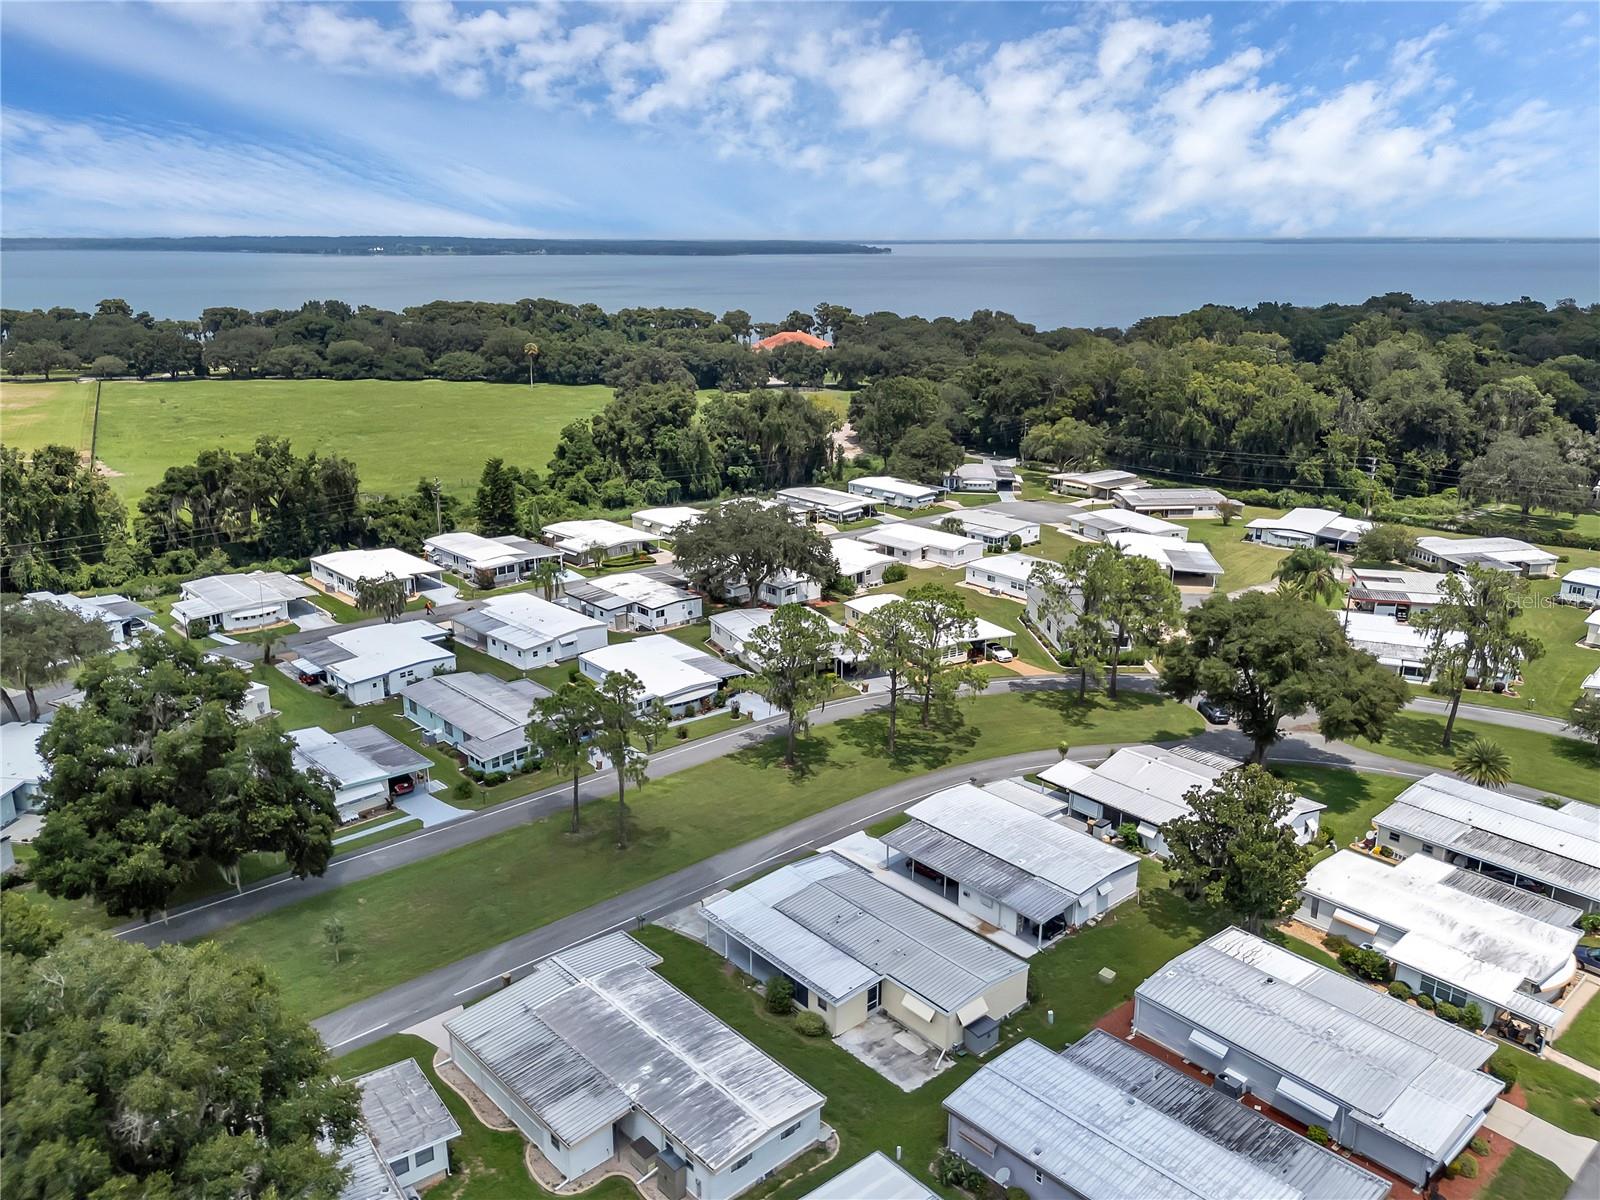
410, 920
1563, 765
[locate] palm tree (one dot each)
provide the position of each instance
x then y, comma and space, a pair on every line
1228, 510
546, 575
1309, 573
531, 350
1484, 763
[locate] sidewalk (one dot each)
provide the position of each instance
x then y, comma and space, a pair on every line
1572, 1064
1567, 1150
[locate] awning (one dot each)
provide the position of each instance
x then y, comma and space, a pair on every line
306, 667
1147, 830
1307, 1099
972, 1010
1104, 888
1209, 1044
1531, 1008
1345, 917
918, 1007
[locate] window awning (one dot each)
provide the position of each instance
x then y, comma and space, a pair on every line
972, 1010
918, 1007
1147, 830
1307, 1099
1209, 1044
1104, 887
1345, 917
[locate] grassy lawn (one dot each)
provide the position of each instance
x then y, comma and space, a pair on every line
1582, 1038
1244, 564
998, 609
1556, 1093
378, 424
1526, 1176
485, 1164
1353, 797
480, 895
1540, 760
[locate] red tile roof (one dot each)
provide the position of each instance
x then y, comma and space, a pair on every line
789, 337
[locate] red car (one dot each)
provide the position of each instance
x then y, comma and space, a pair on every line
402, 787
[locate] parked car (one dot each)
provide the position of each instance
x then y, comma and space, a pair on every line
309, 679
1589, 958
999, 653
402, 787
1217, 714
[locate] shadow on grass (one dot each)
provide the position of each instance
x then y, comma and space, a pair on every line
811, 754
1581, 754
915, 748
1071, 711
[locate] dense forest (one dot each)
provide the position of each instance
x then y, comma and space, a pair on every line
1353, 404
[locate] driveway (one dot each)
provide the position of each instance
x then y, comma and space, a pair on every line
430, 810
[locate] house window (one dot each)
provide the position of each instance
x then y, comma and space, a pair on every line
1445, 992
1394, 837
400, 1166
742, 1163
425, 1155
1038, 1176
789, 1132
822, 1005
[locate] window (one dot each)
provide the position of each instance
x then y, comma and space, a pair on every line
822, 1005
978, 1142
425, 1155
400, 1166
1448, 993
1038, 1176
1394, 837
742, 1163
789, 1132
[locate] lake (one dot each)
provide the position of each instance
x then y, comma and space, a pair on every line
1048, 284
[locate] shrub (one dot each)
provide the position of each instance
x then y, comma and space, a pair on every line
780, 996
681, 732
810, 1024
1505, 1066
1399, 990
1464, 1167
1318, 1134
1128, 834
573, 674
954, 1171
1035, 993
463, 790
1424, 1001
1479, 1146
1448, 1011
1337, 944
1368, 964
1471, 1016
1014, 542
895, 573
1590, 923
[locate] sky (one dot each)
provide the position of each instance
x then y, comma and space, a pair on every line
870, 121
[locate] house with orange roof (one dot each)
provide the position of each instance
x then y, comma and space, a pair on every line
791, 337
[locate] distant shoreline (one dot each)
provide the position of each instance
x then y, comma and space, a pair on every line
375, 246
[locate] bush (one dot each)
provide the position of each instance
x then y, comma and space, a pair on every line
1318, 1134
1448, 1011
462, 790
810, 1024
1399, 990
895, 573
1425, 1001
1128, 834
1014, 542
954, 1171
1035, 993
1464, 1167
1471, 1016
780, 996
1590, 923
1505, 1066
573, 674
681, 732
1337, 944
1367, 964
1479, 1146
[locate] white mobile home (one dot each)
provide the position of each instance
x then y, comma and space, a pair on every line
1446, 935
974, 643
372, 662
234, 603
1511, 555
526, 631
580, 541
1387, 1080
1148, 786
991, 475
594, 1056
919, 546
22, 770
1014, 869
486, 562
655, 598
1100, 524
342, 572
733, 628
482, 718
408, 1124
828, 503
1396, 644
861, 564
1006, 574
364, 765
852, 945
683, 678
899, 492
1177, 504
1301, 527
1581, 587
1097, 485
122, 617
1395, 594
1187, 564
995, 530
665, 522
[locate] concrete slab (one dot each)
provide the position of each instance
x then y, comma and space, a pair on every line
690, 921
1567, 1150
432, 1029
901, 1057
316, 618
427, 809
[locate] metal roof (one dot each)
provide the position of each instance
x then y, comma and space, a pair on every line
401, 1110
388, 752
993, 522
1502, 552
368, 651
1559, 846
1508, 895
1029, 796
1095, 478
1167, 497
875, 1177
984, 470
1351, 1043
821, 497
907, 536
217, 594
1034, 898
361, 754
1316, 1173
1120, 520
604, 952
1015, 566
525, 621
1408, 587
116, 608
577, 535
667, 668
900, 939
369, 1177
485, 553
1100, 1141
374, 564
1073, 862
1194, 558
1312, 522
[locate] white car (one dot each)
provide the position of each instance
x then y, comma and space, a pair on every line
999, 653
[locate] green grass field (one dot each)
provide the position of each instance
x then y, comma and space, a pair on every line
1526, 1176
1564, 765
1558, 1094
1582, 1037
480, 895
394, 432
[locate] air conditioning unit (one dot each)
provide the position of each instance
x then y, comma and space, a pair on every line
1229, 1085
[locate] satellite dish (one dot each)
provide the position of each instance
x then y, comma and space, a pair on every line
1003, 1176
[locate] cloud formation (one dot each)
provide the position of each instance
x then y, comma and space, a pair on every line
1075, 122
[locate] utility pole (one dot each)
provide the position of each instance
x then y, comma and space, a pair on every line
438, 520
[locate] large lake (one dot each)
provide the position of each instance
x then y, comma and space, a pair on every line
1048, 284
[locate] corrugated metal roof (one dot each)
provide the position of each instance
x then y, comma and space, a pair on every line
1558, 846
1349, 1042
1097, 1139
1530, 904
390, 753
900, 939
783, 941
1162, 497
1034, 898
604, 952
875, 1177
401, 1110
484, 708
369, 1176
229, 593
713, 1091
1025, 795
1074, 862
1316, 1173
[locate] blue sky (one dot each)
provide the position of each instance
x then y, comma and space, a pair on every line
824, 120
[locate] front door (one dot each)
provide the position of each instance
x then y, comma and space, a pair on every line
875, 997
